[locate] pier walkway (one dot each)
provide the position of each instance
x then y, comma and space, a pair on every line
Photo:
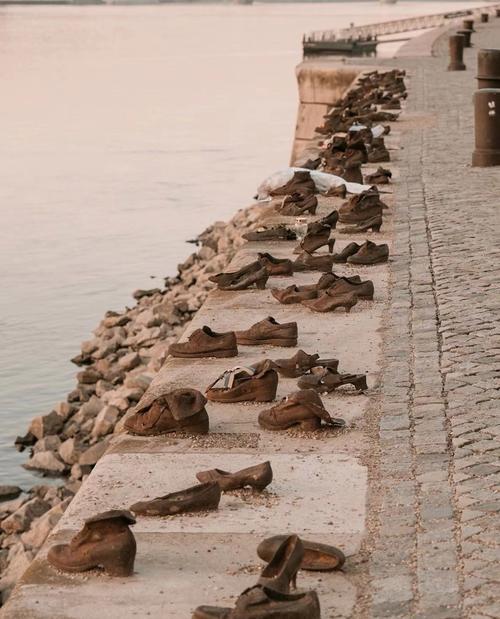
409, 490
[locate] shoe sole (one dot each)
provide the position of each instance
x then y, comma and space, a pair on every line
269, 342
367, 264
201, 428
308, 425
214, 354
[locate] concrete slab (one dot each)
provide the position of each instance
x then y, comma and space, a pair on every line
310, 493
174, 573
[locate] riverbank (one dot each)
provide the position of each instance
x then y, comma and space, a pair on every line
380, 491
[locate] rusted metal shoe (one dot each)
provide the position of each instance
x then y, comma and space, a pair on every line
346, 285
303, 409
298, 204
301, 363
317, 236
301, 182
361, 207
179, 410
257, 279
281, 571
370, 253
372, 223
276, 266
206, 343
263, 603
308, 262
223, 279
269, 332
292, 294
331, 219
105, 542
349, 250
326, 281
327, 302
317, 557
245, 384
381, 177
273, 233
257, 477
324, 380
199, 498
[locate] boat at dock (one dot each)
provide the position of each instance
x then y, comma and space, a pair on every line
342, 47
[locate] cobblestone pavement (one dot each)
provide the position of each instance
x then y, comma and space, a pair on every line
434, 546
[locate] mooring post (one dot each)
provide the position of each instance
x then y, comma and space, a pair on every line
497, 11
466, 35
484, 17
487, 128
456, 52
488, 68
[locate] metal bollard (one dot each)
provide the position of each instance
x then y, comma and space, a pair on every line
484, 18
497, 12
466, 35
468, 24
488, 68
456, 53
487, 128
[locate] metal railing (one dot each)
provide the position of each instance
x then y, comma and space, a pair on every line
398, 25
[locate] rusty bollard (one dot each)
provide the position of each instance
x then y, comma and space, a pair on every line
468, 24
456, 53
466, 35
484, 18
488, 68
487, 128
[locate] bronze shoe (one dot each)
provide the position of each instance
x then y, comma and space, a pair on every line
327, 302
361, 207
257, 477
205, 343
324, 380
302, 408
276, 266
370, 253
274, 233
301, 182
199, 498
257, 279
283, 566
298, 204
301, 363
331, 219
316, 237
180, 410
105, 541
336, 192
326, 281
269, 332
381, 177
349, 250
307, 262
292, 294
372, 223
346, 285
251, 384
317, 556
222, 279
263, 603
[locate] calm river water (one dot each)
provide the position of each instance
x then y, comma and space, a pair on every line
124, 131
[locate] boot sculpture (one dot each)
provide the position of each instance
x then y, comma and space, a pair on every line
104, 542
301, 363
302, 408
301, 182
180, 410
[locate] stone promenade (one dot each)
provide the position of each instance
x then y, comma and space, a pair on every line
434, 547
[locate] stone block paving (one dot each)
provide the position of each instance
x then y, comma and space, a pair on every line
434, 545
